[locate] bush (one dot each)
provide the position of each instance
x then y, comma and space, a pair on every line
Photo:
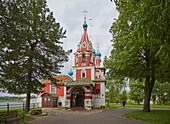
129, 101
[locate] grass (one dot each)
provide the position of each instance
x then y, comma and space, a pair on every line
111, 105
156, 116
26, 118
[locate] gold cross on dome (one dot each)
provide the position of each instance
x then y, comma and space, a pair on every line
85, 15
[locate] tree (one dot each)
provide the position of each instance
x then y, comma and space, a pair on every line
31, 48
136, 90
124, 95
141, 47
115, 87
161, 91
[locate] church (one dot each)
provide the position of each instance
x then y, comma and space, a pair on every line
84, 86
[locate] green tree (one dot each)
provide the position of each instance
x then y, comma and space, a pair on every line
115, 87
159, 90
124, 95
31, 47
136, 90
141, 47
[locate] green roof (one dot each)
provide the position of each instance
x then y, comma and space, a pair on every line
81, 82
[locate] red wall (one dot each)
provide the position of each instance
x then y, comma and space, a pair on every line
78, 74
97, 86
88, 73
47, 88
60, 91
87, 61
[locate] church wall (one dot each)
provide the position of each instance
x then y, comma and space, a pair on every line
99, 99
78, 74
39, 101
88, 97
97, 86
60, 91
47, 88
88, 73
79, 60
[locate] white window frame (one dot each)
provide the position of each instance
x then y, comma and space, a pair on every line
51, 89
83, 71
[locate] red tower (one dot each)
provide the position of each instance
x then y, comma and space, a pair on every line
84, 57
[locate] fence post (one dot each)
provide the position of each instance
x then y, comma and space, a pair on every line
33, 105
7, 107
23, 106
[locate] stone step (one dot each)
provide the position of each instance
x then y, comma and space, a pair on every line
77, 109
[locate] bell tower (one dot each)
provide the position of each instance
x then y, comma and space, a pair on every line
84, 58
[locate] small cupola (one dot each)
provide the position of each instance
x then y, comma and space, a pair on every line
70, 73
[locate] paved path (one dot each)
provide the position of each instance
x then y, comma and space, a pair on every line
107, 116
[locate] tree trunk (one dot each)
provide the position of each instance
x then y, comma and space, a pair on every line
138, 102
149, 83
27, 106
147, 94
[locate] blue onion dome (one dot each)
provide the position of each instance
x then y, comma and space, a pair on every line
70, 73
94, 51
98, 53
84, 25
100, 59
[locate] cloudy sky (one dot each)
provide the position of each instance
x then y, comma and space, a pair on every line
69, 13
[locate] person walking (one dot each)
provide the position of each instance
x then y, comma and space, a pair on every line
121, 103
124, 102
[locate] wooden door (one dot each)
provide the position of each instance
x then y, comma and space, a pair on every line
46, 101
77, 98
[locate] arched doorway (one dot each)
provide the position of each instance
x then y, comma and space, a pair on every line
77, 98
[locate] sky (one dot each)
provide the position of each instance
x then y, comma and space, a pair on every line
100, 16
69, 13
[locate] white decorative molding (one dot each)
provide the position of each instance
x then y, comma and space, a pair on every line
83, 71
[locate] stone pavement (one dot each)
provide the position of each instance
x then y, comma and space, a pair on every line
106, 116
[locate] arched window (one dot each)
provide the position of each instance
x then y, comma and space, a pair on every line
83, 74
76, 58
83, 57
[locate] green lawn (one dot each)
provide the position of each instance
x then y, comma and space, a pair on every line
111, 105
156, 116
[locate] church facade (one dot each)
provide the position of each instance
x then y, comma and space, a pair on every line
84, 86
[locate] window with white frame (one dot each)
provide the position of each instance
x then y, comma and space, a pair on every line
83, 57
91, 58
76, 58
53, 89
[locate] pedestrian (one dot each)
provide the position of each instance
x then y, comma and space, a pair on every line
124, 102
121, 103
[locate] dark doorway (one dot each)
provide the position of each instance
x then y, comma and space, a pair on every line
77, 98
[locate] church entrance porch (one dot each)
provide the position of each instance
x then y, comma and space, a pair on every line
77, 98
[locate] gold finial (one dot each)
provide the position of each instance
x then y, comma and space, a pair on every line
71, 63
85, 15
98, 46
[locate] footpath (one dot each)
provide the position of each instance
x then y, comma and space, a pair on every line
106, 116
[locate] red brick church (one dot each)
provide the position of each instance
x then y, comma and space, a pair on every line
84, 86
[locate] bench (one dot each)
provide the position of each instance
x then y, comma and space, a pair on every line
10, 116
